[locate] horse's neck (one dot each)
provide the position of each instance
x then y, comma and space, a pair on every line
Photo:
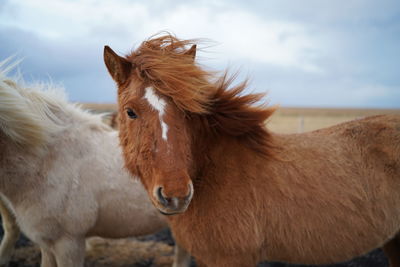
26, 174
19, 171
24, 170
219, 161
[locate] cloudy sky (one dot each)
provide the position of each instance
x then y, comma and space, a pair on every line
320, 53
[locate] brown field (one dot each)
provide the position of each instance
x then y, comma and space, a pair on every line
296, 120
293, 120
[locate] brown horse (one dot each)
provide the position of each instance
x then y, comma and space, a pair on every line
241, 194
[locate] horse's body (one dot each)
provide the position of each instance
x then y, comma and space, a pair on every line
64, 177
331, 195
320, 197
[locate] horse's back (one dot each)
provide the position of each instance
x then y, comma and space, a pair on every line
374, 137
382, 128
371, 147
378, 140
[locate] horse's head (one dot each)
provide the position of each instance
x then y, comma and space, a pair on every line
153, 129
172, 113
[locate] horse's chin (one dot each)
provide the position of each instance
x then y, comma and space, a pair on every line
170, 212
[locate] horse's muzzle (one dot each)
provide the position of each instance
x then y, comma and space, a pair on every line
172, 205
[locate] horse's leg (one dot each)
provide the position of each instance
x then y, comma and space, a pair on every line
70, 252
392, 251
181, 257
48, 259
11, 234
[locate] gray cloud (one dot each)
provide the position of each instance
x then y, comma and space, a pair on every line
332, 13
79, 68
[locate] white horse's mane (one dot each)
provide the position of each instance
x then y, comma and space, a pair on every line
31, 114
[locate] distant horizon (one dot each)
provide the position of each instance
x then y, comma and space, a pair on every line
279, 106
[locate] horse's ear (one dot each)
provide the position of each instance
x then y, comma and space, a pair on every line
118, 67
192, 52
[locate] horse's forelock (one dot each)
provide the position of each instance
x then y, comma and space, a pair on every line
164, 64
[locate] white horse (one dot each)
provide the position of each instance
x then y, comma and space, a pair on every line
61, 175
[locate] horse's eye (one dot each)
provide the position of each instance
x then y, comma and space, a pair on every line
131, 113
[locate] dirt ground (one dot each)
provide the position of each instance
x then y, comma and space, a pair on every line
150, 251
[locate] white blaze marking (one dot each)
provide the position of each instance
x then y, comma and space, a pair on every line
158, 104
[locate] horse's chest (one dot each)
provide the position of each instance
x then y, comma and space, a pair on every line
208, 237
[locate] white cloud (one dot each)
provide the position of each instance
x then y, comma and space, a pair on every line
72, 19
243, 35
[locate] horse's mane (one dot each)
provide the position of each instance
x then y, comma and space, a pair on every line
164, 62
32, 114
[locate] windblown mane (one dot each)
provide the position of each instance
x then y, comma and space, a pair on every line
164, 63
32, 114
236, 114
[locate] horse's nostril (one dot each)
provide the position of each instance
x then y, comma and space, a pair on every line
161, 197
